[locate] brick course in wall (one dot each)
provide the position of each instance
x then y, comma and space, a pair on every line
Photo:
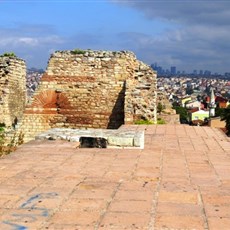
93, 89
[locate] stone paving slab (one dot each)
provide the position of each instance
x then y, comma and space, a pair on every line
180, 180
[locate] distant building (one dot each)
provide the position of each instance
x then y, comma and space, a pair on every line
198, 115
193, 104
173, 70
184, 100
212, 104
207, 73
221, 101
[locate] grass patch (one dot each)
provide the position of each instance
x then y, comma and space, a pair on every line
160, 121
78, 51
143, 122
9, 55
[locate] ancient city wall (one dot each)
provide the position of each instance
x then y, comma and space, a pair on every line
92, 89
12, 89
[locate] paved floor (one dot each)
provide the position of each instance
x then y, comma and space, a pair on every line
181, 180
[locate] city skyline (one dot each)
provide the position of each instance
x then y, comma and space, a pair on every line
186, 34
173, 71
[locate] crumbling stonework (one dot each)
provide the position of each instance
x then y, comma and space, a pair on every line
141, 94
92, 89
12, 90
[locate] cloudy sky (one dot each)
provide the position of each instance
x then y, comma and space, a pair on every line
188, 34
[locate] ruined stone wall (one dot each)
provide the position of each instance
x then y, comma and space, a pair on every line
94, 89
12, 89
141, 94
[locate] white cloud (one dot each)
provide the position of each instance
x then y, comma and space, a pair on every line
198, 38
188, 48
31, 43
27, 41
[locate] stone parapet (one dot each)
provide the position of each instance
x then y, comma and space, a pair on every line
91, 64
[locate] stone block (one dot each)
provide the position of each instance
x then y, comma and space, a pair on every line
120, 140
74, 139
139, 139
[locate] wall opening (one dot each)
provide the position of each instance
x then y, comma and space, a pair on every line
117, 117
93, 142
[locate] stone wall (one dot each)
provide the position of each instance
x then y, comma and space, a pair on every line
12, 90
92, 89
141, 94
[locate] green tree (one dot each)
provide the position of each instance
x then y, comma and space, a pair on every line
183, 114
226, 117
189, 90
175, 104
219, 112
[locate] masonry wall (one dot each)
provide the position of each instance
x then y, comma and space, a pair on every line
95, 89
12, 90
141, 94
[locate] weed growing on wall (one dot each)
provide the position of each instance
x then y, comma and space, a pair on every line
78, 51
8, 55
8, 145
160, 121
143, 122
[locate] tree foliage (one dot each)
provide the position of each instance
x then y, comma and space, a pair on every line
219, 112
226, 117
189, 90
183, 113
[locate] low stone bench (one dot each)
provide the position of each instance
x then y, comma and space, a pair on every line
100, 138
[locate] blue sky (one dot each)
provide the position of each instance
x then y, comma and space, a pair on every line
187, 34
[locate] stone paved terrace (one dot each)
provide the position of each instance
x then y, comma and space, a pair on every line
181, 180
